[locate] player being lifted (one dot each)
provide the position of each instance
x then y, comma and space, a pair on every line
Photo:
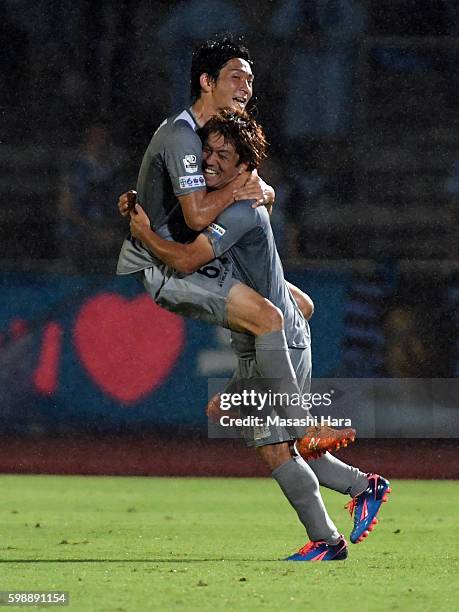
172, 188
233, 143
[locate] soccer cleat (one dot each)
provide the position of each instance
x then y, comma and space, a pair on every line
366, 506
321, 551
320, 439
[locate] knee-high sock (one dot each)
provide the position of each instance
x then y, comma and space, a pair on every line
337, 475
301, 488
273, 360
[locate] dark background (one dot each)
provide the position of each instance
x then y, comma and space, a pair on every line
359, 100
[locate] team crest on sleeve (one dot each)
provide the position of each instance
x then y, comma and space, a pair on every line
216, 230
190, 163
187, 182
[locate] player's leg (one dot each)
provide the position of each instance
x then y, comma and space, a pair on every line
301, 487
316, 439
273, 445
331, 472
250, 312
212, 295
339, 476
368, 491
303, 300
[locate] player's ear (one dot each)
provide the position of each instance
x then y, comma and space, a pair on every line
206, 82
243, 167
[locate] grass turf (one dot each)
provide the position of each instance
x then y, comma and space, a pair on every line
128, 544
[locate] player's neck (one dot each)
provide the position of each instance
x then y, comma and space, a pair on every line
202, 111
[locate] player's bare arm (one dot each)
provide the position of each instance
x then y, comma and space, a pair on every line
200, 208
185, 258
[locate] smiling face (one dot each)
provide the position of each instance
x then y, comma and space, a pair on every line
234, 85
220, 161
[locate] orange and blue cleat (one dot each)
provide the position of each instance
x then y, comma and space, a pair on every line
366, 506
321, 551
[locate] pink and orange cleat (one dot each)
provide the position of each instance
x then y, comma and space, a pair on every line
366, 506
321, 551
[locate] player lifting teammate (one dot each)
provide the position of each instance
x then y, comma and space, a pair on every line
173, 191
234, 144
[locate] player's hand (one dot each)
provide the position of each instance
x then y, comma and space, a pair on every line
256, 189
139, 222
126, 202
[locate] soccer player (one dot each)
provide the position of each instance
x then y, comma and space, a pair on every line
173, 191
234, 143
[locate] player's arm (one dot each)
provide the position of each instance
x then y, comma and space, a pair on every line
201, 208
305, 304
257, 189
186, 258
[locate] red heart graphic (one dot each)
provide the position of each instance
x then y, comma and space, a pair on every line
128, 347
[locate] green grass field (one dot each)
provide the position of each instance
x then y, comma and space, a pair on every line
122, 544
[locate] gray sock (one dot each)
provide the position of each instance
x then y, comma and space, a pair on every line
337, 475
273, 357
273, 360
301, 488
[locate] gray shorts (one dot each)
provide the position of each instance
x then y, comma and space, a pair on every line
202, 295
246, 369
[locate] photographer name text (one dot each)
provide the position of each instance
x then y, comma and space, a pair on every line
278, 421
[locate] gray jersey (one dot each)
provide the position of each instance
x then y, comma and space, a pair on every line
245, 236
171, 167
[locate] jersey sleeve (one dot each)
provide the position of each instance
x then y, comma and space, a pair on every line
230, 226
183, 158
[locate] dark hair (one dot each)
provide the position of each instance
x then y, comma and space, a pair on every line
242, 131
210, 57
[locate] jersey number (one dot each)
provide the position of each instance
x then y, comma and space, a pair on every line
209, 271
